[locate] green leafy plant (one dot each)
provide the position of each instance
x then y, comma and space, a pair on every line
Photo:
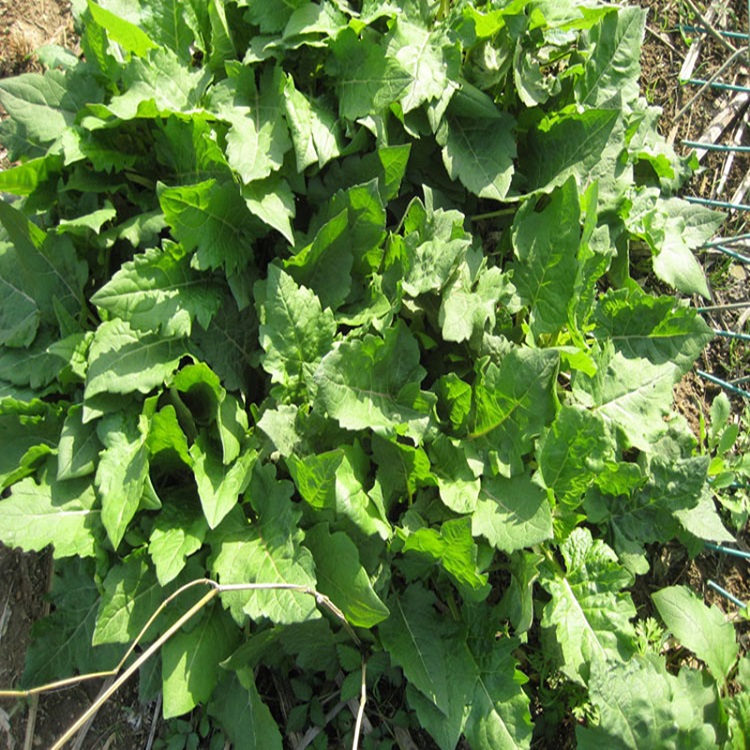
336, 298
729, 471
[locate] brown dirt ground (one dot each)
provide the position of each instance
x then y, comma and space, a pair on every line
124, 724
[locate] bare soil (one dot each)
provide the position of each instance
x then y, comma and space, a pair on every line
124, 724
25, 25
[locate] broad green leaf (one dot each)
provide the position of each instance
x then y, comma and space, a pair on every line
402, 469
312, 25
25, 178
229, 344
512, 513
269, 15
704, 522
171, 24
469, 305
518, 600
25, 431
61, 642
36, 366
272, 201
435, 251
123, 360
512, 403
456, 552
142, 231
704, 630
649, 513
424, 645
127, 35
652, 328
428, 57
534, 84
480, 153
47, 264
19, 312
456, 472
612, 50
572, 451
209, 403
738, 708
673, 229
444, 727
159, 291
312, 644
325, 264
231, 421
188, 149
569, 145
280, 425
122, 471
190, 661
156, 87
700, 223
166, 440
334, 481
546, 243
454, 402
373, 383
131, 594
315, 131
499, 708
341, 576
201, 387
295, 331
641, 705
222, 46
388, 164
589, 613
83, 226
315, 477
219, 486
677, 265
212, 219
632, 395
51, 512
44, 105
258, 138
488, 24
241, 713
366, 218
179, 531
266, 551
79, 447
367, 79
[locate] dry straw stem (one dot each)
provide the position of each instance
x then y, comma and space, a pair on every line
216, 588
712, 79
712, 30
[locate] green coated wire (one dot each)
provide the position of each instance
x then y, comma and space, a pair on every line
716, 147
727, 306
719, 85
717, 204
732, 335
731, 253
728, 550
702, 30
732, 598
728, 240
723, 383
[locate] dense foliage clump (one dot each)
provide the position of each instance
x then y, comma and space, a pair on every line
342, 295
